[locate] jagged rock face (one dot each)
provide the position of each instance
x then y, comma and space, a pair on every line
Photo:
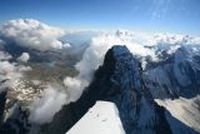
120, 80
2, 105
17, 123
175, 77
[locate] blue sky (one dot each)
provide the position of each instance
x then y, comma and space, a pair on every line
178, 16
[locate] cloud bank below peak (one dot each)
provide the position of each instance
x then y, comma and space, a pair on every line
32, 34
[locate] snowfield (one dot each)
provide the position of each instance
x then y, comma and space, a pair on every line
102, 118
185, 110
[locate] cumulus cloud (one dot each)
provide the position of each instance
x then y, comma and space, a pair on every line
46, 107
75, 87
24, 57
10, 70
137, 43
4, 56
33, 34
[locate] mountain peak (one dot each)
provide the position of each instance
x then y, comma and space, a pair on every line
125, 68
119, 50
120, 80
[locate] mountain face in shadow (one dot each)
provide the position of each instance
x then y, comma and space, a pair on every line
177, 76
17, 123
2, 106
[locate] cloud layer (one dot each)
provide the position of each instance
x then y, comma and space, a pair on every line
10, 70
45, 108
33, 34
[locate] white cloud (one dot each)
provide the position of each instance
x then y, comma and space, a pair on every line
46, 107
24, 57
4, 56
75, 87
10, 70
159, 8
33, 34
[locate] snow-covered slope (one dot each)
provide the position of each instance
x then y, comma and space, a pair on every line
102, 118
186, 110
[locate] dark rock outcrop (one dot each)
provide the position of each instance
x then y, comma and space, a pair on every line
17, 123
2, 106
